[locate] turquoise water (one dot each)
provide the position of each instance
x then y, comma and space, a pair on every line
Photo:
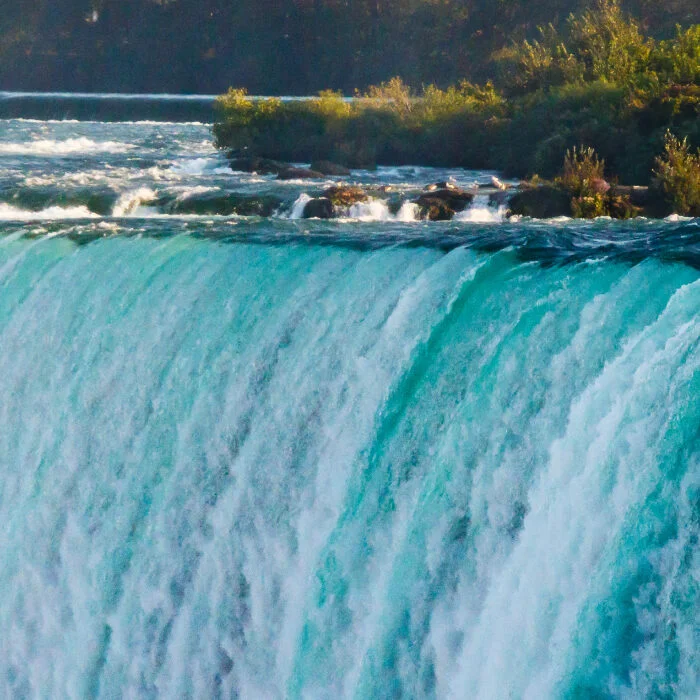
267, 458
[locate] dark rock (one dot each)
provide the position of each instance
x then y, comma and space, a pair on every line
292, 173
452, 197
435, 208
394, 203
225, 204
542, 202
498, 198
345, 195
639, 196
650, 200
319, 208
328, 168
253, 164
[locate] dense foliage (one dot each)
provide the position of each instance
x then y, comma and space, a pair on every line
296, 46
388, 124
600, 82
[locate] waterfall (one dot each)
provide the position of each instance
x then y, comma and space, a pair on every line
300, 471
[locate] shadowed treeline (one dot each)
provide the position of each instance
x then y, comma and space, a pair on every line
276, 46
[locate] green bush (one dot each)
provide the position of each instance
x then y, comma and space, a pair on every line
539, 64
589, 207
582, 173
608, 43
678, 61
678, 174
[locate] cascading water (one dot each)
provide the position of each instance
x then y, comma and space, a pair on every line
280, 459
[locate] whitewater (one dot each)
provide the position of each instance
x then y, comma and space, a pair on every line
251, 456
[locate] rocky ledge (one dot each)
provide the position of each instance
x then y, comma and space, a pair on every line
440, 201
550, 200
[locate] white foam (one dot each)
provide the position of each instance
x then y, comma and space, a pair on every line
10, 213
481, 213
200, 166
50, 147
131, 203
409, 211
677, 218
298, 206
378, 210
371, 210
191, 191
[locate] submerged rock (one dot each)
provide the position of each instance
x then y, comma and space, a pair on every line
650, 200
293, 173
345, 195
435, 209
498, 198
253, 164
318, 208
541, 202
548, 201
441, 204
328, 168
224, 204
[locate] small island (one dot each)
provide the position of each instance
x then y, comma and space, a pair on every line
595, 120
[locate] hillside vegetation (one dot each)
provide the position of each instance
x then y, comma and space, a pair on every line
279, 46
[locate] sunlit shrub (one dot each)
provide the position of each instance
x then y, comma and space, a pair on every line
394, 93
583, 173
678, 175
678, 61
589, 207
538, 64
608, 42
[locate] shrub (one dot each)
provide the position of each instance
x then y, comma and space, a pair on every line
331, 105
678, 175
608, 43
394, 92
678, 61
591, 196
542, 63
583, 173
589, 207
